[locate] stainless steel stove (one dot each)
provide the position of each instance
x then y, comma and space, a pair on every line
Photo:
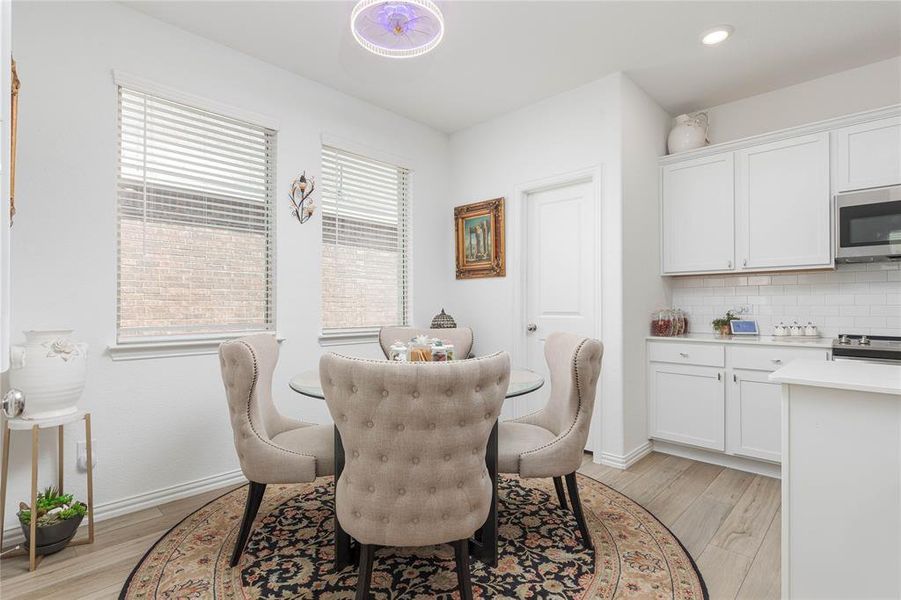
877, 348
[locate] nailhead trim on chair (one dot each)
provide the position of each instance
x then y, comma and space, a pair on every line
560, 437
253, 387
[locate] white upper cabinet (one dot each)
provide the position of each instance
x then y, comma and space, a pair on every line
783, 204
868, 155
697, 223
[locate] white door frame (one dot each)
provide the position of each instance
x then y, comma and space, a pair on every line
517, 224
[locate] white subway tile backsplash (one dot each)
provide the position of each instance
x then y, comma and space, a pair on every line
840, 299
869, 299
870, 322
854, 288
852, 299
871, 276
780, 279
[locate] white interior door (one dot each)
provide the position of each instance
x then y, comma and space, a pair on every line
561, 273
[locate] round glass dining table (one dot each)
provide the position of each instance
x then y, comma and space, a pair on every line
483, 545
522, 381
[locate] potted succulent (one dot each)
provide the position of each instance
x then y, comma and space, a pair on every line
58, 517
721, 325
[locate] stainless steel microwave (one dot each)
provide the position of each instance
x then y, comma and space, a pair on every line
868, 225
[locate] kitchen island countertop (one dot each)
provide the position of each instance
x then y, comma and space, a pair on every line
854, 375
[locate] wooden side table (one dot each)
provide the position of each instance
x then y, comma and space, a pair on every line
10, 425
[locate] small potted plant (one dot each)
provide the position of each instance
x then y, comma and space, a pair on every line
58, 517
721, 325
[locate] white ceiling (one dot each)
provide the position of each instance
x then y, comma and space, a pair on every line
499, 56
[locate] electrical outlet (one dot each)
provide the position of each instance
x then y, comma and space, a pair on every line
81, 455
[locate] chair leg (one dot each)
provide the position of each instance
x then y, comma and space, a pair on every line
364, 575
577, 510
254, 498
561, 495
461, 552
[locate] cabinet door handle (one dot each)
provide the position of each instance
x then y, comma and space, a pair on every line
744, 263
729, 265
683, 354
734, 378
778, 361
719, 376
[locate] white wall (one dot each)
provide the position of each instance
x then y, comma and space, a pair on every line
163, 422
569, 132
590, 126
855, 90
644, 129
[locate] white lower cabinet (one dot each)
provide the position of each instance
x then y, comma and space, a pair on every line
753, 413
687, 405
718, 397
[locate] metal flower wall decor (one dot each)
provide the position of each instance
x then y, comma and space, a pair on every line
302, 205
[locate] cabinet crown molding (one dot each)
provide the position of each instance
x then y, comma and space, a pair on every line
773, 136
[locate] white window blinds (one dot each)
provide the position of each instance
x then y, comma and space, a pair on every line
195, 193
365, 275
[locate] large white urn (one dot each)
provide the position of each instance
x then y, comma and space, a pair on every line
688, 132
50, 368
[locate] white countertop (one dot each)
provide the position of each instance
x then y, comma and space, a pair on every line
753, 340
855, 375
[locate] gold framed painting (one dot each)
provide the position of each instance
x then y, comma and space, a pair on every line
480, 239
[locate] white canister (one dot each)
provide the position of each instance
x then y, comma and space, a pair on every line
688, 133
796, 329
780, 330
811, 329
51, 369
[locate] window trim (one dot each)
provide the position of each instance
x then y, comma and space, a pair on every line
368, 335
167, 347
188, 344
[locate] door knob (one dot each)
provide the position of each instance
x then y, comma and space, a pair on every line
531, 327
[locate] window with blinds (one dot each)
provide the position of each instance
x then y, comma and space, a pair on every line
365, 275
195, 196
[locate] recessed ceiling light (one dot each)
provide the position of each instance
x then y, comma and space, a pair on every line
397, 29
717, 35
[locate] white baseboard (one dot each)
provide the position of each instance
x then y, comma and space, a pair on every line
123, 506
757, 467
624, 462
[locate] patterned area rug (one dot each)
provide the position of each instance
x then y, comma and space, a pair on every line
290, 555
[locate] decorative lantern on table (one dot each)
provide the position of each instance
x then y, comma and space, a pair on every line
443, 321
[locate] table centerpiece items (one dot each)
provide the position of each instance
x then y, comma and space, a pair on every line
421, 348
50, 369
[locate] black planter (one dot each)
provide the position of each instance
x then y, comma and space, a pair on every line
52, 538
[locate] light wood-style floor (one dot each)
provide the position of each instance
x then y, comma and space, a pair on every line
728, 520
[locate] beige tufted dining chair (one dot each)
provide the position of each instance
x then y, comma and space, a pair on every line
551, 441
271, 448
460, 337
414, 436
